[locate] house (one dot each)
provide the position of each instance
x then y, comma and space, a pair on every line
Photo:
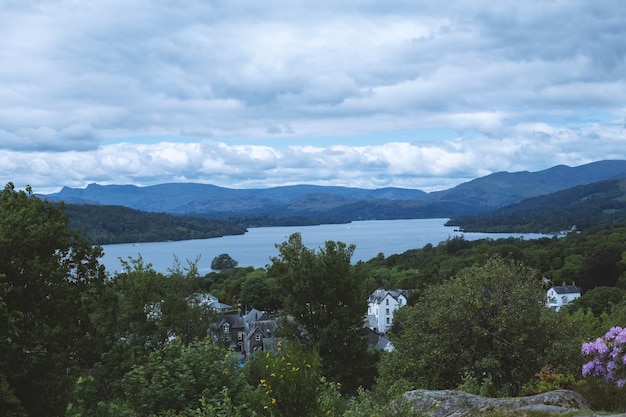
259, 326
562, 295
231, 329
248, 333
382, 305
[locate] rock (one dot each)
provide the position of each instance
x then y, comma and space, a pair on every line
448, 403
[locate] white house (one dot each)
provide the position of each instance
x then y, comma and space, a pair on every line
381, 306
562, 295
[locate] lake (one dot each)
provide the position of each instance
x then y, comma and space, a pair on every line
257, 246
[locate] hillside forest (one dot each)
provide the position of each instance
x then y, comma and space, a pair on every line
76, 340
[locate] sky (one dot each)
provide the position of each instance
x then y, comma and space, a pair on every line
248, 94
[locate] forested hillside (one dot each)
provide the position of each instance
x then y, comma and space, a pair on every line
582, 206
102, 225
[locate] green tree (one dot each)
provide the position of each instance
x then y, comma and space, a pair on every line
173, 380
50, 274
286, 381
488, 323
223, 261
325, 295
177, 376
142, 311
260, 291
599, 300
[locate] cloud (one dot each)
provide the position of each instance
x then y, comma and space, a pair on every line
429, 166
80, 137
526, 85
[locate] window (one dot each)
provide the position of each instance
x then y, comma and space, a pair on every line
388, 321
239, 336
226, 328
387, 311
257, 337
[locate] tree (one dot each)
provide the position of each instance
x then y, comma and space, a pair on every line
260, 291
223, 261
489, 323
141, 312
173, 380
325, 295
50, 275
287, 380
599, 300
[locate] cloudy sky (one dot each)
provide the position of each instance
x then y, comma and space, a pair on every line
249, 94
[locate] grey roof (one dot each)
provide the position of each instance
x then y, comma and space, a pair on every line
382, 343
567, 289
216, 305
234, 320
380, 294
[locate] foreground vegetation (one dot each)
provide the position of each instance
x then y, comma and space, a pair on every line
75, 341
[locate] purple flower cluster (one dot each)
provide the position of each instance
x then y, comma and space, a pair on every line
608, 357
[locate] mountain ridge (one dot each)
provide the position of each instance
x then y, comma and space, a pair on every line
579, 207
479, 195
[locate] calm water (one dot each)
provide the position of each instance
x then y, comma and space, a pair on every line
257, 246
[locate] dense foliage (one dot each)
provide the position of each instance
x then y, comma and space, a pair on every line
223, 261
140, 343
478, 325
49, 279
103, 225
326, 297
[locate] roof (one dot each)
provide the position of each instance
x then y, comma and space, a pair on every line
380, 294
233, 320
216, 305
566, 289
383, 342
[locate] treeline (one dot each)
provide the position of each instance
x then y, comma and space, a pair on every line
590, 259
583, 206
102, 225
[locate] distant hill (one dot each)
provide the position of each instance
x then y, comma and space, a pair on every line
310, 203
206, 199
582, 206
504, 188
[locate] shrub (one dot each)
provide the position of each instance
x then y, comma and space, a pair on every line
608, 357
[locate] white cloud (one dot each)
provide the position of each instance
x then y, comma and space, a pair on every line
526, 85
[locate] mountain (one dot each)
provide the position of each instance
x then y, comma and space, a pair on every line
504, 188
339, 204
579, 207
